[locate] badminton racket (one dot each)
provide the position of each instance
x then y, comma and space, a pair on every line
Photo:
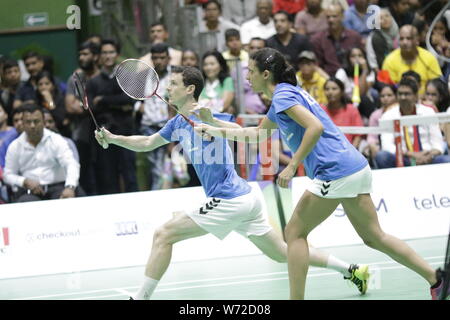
140, 82
82, 95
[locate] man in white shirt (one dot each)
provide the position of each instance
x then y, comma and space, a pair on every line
262, 26
428, 148
39, 163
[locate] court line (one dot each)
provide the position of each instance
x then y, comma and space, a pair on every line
217, 279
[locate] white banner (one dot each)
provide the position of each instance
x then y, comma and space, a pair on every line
412, 202
59, 236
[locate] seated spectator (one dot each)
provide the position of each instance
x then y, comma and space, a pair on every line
34, 64
213, 21
218, 93
421, 144
238, 11
366, 81
261, 26
50, 124
309, 78
400, 11
50, 97
158, 34
10, 76
7, 135
340, 110
331, 46
356, 17
437, 94
383, 41
39, 163
388, 99
312, 20
17, 122
288, 43
411, 57
327, 3
440, 36
235, 50
190, 58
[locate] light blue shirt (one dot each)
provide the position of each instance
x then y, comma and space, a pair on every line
353, 21
333, 156
212, 160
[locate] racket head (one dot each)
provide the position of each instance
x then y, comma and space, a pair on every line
137, 79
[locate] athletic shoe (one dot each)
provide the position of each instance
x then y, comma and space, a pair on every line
359, 276
436, 292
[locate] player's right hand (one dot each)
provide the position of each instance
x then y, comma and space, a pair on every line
102, 137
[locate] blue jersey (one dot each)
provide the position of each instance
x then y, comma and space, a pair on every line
333, 156
212, 160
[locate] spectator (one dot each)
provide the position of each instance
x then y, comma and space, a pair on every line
422, 26
10, 76
50, 124
50, 97
401, 12
261, 26
411, 57
388, 99
39, 162
190, 58
356, 17
382, 41
440, 36
95, 39
332, 46
238, 11
7, 135
235, 50
288, 43
312, 20
154, 115
81, 122
113, 109
158, 34
34, 64
437, 94
366, 81
427, 149
310, 78
218, 93
340, 110
327, 3
17, 115
213, 21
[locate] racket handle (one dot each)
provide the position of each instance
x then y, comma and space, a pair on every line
105, 145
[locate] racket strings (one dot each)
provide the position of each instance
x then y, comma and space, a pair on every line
137, 79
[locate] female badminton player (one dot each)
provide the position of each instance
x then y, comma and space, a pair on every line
231, 203
340, 174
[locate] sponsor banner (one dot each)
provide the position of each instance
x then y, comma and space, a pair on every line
71, 235
411, 202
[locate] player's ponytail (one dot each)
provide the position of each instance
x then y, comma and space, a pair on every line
273, 61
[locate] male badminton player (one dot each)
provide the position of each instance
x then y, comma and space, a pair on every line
340, 173
231, 203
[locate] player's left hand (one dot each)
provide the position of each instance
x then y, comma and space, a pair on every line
285, 177
68, 193
203, 130
203, 113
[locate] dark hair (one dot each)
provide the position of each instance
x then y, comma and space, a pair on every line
112, 42
91, 46
31, 108
31, 54
191, 76
409, 83
49, 76
259, 39
204, 5
412, 74
160, 47
385, 85
444, 96
224, 71
341, 85
349, 68
158, 23
288, 16
190, 50
273, 61
10, 63
16, 110
232, 33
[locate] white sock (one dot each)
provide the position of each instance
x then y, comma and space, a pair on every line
147, 289
338, 265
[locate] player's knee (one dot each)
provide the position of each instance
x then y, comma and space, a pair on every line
161, 236
293, 232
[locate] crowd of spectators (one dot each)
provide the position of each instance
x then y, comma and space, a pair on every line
47, 146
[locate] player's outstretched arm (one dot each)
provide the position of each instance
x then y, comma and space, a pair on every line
134, 143
247, 134
206, 116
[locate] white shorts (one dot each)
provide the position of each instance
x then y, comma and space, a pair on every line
242, 214
347, 187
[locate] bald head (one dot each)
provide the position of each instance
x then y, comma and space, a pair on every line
409, 38
335, 15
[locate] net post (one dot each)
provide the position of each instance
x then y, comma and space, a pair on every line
398, 144
241, 152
